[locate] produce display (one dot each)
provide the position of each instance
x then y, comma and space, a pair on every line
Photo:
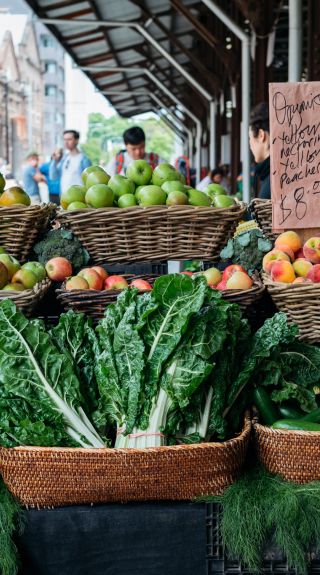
16, 277
12, 196
140, 186
291, 262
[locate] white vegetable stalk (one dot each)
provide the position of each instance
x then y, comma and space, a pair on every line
152, 437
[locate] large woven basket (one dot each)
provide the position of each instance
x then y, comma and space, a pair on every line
93, 302
154, 232
301, 303
246, 298
262, 210
49, 477
295, 455
28, 300
20, 226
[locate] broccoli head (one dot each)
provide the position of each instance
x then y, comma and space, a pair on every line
61, 243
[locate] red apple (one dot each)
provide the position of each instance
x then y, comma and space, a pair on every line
76, 282
141, 285
314, 274
101, 271
94, 279
58, 269
115, 282
239, 280
187, 273
221, 286
228, 271
311, 250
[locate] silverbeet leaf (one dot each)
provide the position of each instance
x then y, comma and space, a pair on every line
33, 371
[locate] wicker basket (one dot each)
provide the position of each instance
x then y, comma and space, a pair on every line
301, 303
153, 232
20, 226
293, 454
49, 477
246, 298
27, 300
93, 302
262, 210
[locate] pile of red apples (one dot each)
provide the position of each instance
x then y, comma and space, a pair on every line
233, 277
93, 278
292, 262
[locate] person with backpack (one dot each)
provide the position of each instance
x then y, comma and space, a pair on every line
135, 142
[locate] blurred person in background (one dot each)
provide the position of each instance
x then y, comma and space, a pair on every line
32, 177
69, 168
135, 143
214, 177
53, 185
259, 140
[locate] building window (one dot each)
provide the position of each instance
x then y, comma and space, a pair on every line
58, 118
47, 41
61, 96
50, 90
50, 67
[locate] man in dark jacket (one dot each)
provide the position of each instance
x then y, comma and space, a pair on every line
259, 139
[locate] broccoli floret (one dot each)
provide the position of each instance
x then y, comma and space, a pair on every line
247, 250
61, 243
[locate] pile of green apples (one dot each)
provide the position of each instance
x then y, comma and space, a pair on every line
141, 186
16, 277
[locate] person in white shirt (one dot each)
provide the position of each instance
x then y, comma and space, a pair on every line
73, 162
135, 143
214, 177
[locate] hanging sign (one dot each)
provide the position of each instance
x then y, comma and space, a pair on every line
294, 110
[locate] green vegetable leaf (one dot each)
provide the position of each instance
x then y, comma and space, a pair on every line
32, 370
227, 252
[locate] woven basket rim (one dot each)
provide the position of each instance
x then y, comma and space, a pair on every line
127, 450
20, 295
284, 432
33, 207
236, 207
287, 286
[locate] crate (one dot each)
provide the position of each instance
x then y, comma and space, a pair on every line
218, 563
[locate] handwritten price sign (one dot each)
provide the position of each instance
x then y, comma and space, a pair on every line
295, 154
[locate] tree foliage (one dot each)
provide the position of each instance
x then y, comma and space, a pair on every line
104, 137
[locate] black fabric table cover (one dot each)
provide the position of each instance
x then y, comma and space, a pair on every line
166, 538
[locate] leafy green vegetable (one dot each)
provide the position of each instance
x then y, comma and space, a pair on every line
62, 243
42, 380
75, 336
247, 249
261, 507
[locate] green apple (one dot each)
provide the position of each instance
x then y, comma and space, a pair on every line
13, 287
177, 199
89, 170
120, 185
2, 251
97, 177
99, 196
73, 194
25, 277
127, 201
140, 172
221, 201
2, 183
182, 178
137, 191
37, 268
173, 186
11, 264
152, 196
4, 276
197, 198
163, 173
215, 190
76, 206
